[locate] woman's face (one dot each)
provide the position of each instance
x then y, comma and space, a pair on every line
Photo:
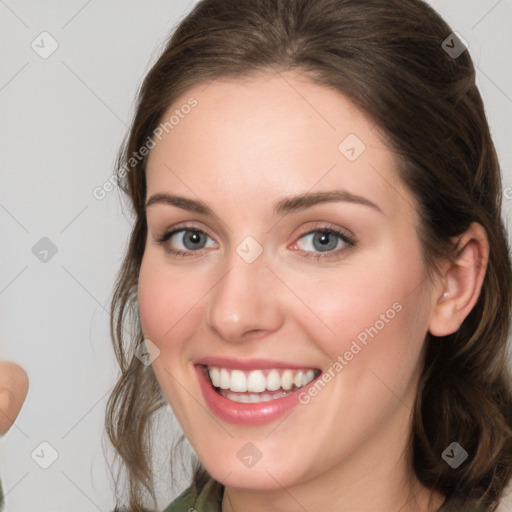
265, 299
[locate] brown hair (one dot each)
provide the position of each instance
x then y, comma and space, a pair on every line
387, 57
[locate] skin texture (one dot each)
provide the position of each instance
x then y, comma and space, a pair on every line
248, 144
13, 391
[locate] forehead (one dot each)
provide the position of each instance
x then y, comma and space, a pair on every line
272, 135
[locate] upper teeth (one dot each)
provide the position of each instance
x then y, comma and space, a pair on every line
258, 381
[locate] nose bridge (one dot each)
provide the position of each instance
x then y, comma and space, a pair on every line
242, 300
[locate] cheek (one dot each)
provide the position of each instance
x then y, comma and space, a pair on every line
152, 295
166, 307
166, 301
369, 300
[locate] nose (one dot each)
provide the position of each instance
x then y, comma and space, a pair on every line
245, 302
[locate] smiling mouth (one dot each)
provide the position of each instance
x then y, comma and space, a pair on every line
258, 385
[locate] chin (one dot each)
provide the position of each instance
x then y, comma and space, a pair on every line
262, 476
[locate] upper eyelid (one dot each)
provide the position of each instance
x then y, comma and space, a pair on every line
187, 227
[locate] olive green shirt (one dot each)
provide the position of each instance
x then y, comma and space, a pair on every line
210, 500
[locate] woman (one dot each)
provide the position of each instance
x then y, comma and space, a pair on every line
318, 268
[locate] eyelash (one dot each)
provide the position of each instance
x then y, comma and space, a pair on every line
327, 229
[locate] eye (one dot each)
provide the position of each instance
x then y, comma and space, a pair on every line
187, 239
327, 240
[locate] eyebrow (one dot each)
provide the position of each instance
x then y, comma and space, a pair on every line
283, 207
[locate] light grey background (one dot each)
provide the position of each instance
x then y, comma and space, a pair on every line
62, 120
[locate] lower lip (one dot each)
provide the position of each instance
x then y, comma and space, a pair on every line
246, 413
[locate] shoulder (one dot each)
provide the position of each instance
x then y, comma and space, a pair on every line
183, 503
208, 500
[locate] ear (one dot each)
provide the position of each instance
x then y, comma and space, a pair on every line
459, 287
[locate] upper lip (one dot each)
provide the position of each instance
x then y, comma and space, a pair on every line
249, 364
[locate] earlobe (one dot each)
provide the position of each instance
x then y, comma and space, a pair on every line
461, 282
